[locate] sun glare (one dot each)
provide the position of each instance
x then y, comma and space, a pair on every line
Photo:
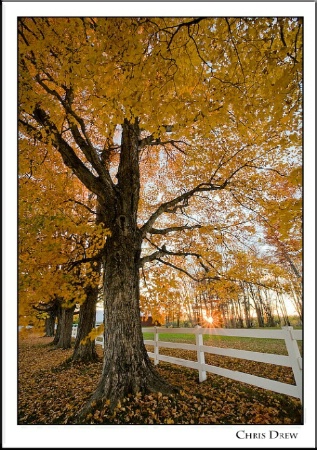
209, 319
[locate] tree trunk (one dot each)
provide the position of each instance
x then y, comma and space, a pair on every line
65, 337
267, 308
59, 325
86, 352
50, 324
239, 312
297, 301
246, 305
283, 309
127, 368
258, 309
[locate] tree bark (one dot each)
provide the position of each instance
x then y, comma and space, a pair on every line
51, 309
59, 324
86, 352
258, 309
246, 305
50, 324
127, 368
65, 337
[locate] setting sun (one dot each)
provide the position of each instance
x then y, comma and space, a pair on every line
209, 319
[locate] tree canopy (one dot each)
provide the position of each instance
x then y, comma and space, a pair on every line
185, 135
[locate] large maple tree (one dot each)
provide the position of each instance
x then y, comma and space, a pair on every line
173, 124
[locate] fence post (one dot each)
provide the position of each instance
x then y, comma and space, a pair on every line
200, 354
156, 347
295, 357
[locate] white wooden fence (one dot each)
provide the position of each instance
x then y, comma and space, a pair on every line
288, 334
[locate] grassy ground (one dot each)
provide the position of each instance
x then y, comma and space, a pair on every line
275, 346
51, 392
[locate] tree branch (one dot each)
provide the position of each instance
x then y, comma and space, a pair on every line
250, 165
81, 204
151, 141
216, 278
173, 205
235, 47
84, 144
178, 27
265, 168
163, 252
36, 134
44, 307
95, 258
70, 158
172, 229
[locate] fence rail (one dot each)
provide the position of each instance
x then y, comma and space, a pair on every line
288, 334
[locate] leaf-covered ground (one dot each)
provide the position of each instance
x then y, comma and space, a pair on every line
51, 392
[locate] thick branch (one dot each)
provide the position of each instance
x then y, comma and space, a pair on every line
44, 307
172, 229
128, 174
96, 258
88, 149
161, 252
179, 202
150, 258
151, 141
90, 154
33, 131
70, 158
282, 33
84, 144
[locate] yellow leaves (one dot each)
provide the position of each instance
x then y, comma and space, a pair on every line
54, 232
48, 395
231, 104
169, 421
287, 421
285, 119
117, 73
296, 176
95, 332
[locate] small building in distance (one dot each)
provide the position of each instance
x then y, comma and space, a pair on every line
99, 317
149, 322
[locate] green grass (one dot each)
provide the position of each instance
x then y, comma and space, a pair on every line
169, 337
191, 338
184, 337
263, 345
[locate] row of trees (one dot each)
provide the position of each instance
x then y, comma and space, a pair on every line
238, 304
151, 143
